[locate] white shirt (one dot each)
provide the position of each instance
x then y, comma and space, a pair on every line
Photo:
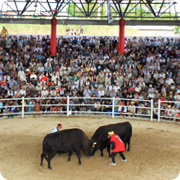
54, 130
122, 108
116, 88
101, 93
33, 76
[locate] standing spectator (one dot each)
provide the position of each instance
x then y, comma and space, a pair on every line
132, 109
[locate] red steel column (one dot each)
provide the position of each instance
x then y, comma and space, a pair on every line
53, 36
121, 36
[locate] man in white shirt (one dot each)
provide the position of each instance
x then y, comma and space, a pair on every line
109, 86
21, 74
116, 87
56, 129
162, 74
169, 80
33, 75
151, 95
101, 92
23, 91
44, 92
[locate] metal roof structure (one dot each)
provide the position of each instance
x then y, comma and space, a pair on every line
90, 12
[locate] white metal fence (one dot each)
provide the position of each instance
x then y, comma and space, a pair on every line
114, 107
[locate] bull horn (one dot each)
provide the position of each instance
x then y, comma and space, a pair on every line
94, 143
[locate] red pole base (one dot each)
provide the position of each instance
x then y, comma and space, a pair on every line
53, 36
121, 36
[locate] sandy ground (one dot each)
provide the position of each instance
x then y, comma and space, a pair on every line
154, 151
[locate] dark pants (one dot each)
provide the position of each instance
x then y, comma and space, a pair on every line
114, 154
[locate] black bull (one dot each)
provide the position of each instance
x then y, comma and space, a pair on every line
65, 141
99, 139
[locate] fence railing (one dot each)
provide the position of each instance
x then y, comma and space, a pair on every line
114, 107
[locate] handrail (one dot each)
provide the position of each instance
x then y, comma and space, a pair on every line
69, 108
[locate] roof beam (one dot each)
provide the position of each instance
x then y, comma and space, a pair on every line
90, 22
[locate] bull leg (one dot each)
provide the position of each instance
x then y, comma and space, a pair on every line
78, 153
42, 157
128, 141
51, 155
108, 150
102, 154
70, 154
125, 144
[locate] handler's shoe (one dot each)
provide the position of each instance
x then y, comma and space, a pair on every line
112, 164
124, 160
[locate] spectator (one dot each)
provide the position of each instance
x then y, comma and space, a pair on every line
132, 109
102, 67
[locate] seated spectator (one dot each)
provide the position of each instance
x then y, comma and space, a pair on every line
33, 75
137, 88
156, 95
116, 87
112, 93
151, 95
95, 91
101, 92
44, 92
107, 92
87, 92
23, 91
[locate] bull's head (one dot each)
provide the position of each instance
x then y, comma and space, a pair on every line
95, 147
88, 149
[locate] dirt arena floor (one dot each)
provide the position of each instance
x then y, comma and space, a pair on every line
154, 155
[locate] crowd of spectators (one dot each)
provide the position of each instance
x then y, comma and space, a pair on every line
91, 67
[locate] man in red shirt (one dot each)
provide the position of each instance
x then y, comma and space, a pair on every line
117, 147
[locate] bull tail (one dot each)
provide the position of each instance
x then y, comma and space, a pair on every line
44, 154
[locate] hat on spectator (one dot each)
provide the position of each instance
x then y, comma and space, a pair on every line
169, 105
132, 102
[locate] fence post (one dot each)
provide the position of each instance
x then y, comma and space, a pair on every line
113, 108
23, 107
151, 109
159, 109
67, 106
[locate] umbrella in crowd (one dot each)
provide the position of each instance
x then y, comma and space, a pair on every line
44, 78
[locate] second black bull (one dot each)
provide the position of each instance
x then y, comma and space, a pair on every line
99, 139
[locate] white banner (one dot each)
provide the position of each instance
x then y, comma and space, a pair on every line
109, 12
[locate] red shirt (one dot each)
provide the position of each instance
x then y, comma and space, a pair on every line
119, 145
